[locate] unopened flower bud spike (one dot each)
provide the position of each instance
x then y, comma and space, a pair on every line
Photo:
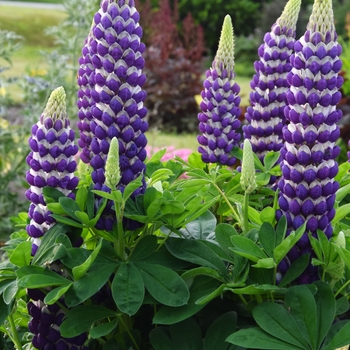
248, 179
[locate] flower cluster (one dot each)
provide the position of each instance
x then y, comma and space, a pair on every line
45, 325
268, 98
51, 162
308, 157
220, 106
111, 96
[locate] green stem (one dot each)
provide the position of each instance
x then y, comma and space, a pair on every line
228, 202
258, 298
342, 287
245, 212
15, 337
124, 322
120, 244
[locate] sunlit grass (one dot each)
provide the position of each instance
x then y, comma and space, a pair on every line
30, 23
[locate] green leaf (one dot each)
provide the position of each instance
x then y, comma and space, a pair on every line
281, 230
342, 305
214, 294
326, 308
5, 310
90, 283
80, 270
301, 305
52, 194
254, 216
256, 338
340, 339
196, 252
32, 273
48, 251
202, 286
267, 263
69, 206
81, 197
341, 213
223, 233
86, 315
103, 329
128, 289
344, 254
165, 285
268, 214
10, 292
186, 335
160, 175
21, 256
201, 227
131, 187
270, 159
160, 339
67, 221
156, 157
342, 192
277, 321
172, 207
282, 249
55, 294
219, 330
295, 270
267, 238
144, 247
247, 248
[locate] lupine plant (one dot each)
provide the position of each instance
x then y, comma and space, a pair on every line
220, 106
215, 259
268, 98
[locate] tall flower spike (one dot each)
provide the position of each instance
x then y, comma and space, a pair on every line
268, 98
51, 162
85, 102
114, 49
308, 157
218, 120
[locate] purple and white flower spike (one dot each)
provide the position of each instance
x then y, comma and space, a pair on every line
115, 50
51, 162
218, 120
85, 102
268, 98
308, 161
111, 69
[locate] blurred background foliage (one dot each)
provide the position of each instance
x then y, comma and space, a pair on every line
39, 50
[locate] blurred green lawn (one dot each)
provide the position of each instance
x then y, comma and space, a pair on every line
31, 24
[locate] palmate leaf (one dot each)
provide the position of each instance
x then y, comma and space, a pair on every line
128, 289
256, 338
80, 319
278, 322
219, 330
165, 285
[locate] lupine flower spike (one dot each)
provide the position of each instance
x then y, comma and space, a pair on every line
115, 50
268, 98
220, 105
308, 158
51, 162
85, 102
